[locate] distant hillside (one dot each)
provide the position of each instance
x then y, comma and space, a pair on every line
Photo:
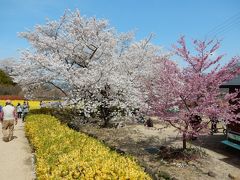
7, 86
5, 79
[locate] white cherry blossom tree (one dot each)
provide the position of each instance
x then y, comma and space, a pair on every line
95, 67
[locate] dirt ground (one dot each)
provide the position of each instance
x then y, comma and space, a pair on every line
220, 162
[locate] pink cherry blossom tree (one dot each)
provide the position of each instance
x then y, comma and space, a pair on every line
193, 90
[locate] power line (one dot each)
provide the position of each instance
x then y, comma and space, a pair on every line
224, 23
225, 26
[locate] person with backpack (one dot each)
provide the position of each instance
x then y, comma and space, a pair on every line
8, 115
19, 110
25, 110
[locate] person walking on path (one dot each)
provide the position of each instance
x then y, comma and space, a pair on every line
19, 110
0, 113
25, 110
8, 115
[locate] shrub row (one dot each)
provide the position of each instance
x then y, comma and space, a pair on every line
65, 115
62, 153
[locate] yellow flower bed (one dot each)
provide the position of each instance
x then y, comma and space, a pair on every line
62, 153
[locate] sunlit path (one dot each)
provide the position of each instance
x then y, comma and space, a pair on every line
15, 157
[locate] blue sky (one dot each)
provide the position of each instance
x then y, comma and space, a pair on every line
167, 19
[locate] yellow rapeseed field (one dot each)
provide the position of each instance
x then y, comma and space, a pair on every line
32, 104
62, 153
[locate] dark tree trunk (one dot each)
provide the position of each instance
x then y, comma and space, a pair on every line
184, 141
106, 122
105, 114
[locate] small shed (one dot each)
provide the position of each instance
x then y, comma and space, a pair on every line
233, 129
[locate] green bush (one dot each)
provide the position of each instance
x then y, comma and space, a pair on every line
49, 111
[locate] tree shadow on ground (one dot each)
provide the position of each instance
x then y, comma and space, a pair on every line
129, 140
213, 143
145, 144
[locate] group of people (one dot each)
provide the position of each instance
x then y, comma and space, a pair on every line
22, 110
9, 116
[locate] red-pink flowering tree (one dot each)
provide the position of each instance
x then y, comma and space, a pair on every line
193, 90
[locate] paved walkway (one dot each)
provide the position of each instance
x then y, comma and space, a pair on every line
16, 157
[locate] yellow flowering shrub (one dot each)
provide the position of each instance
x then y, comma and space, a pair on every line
62, 153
